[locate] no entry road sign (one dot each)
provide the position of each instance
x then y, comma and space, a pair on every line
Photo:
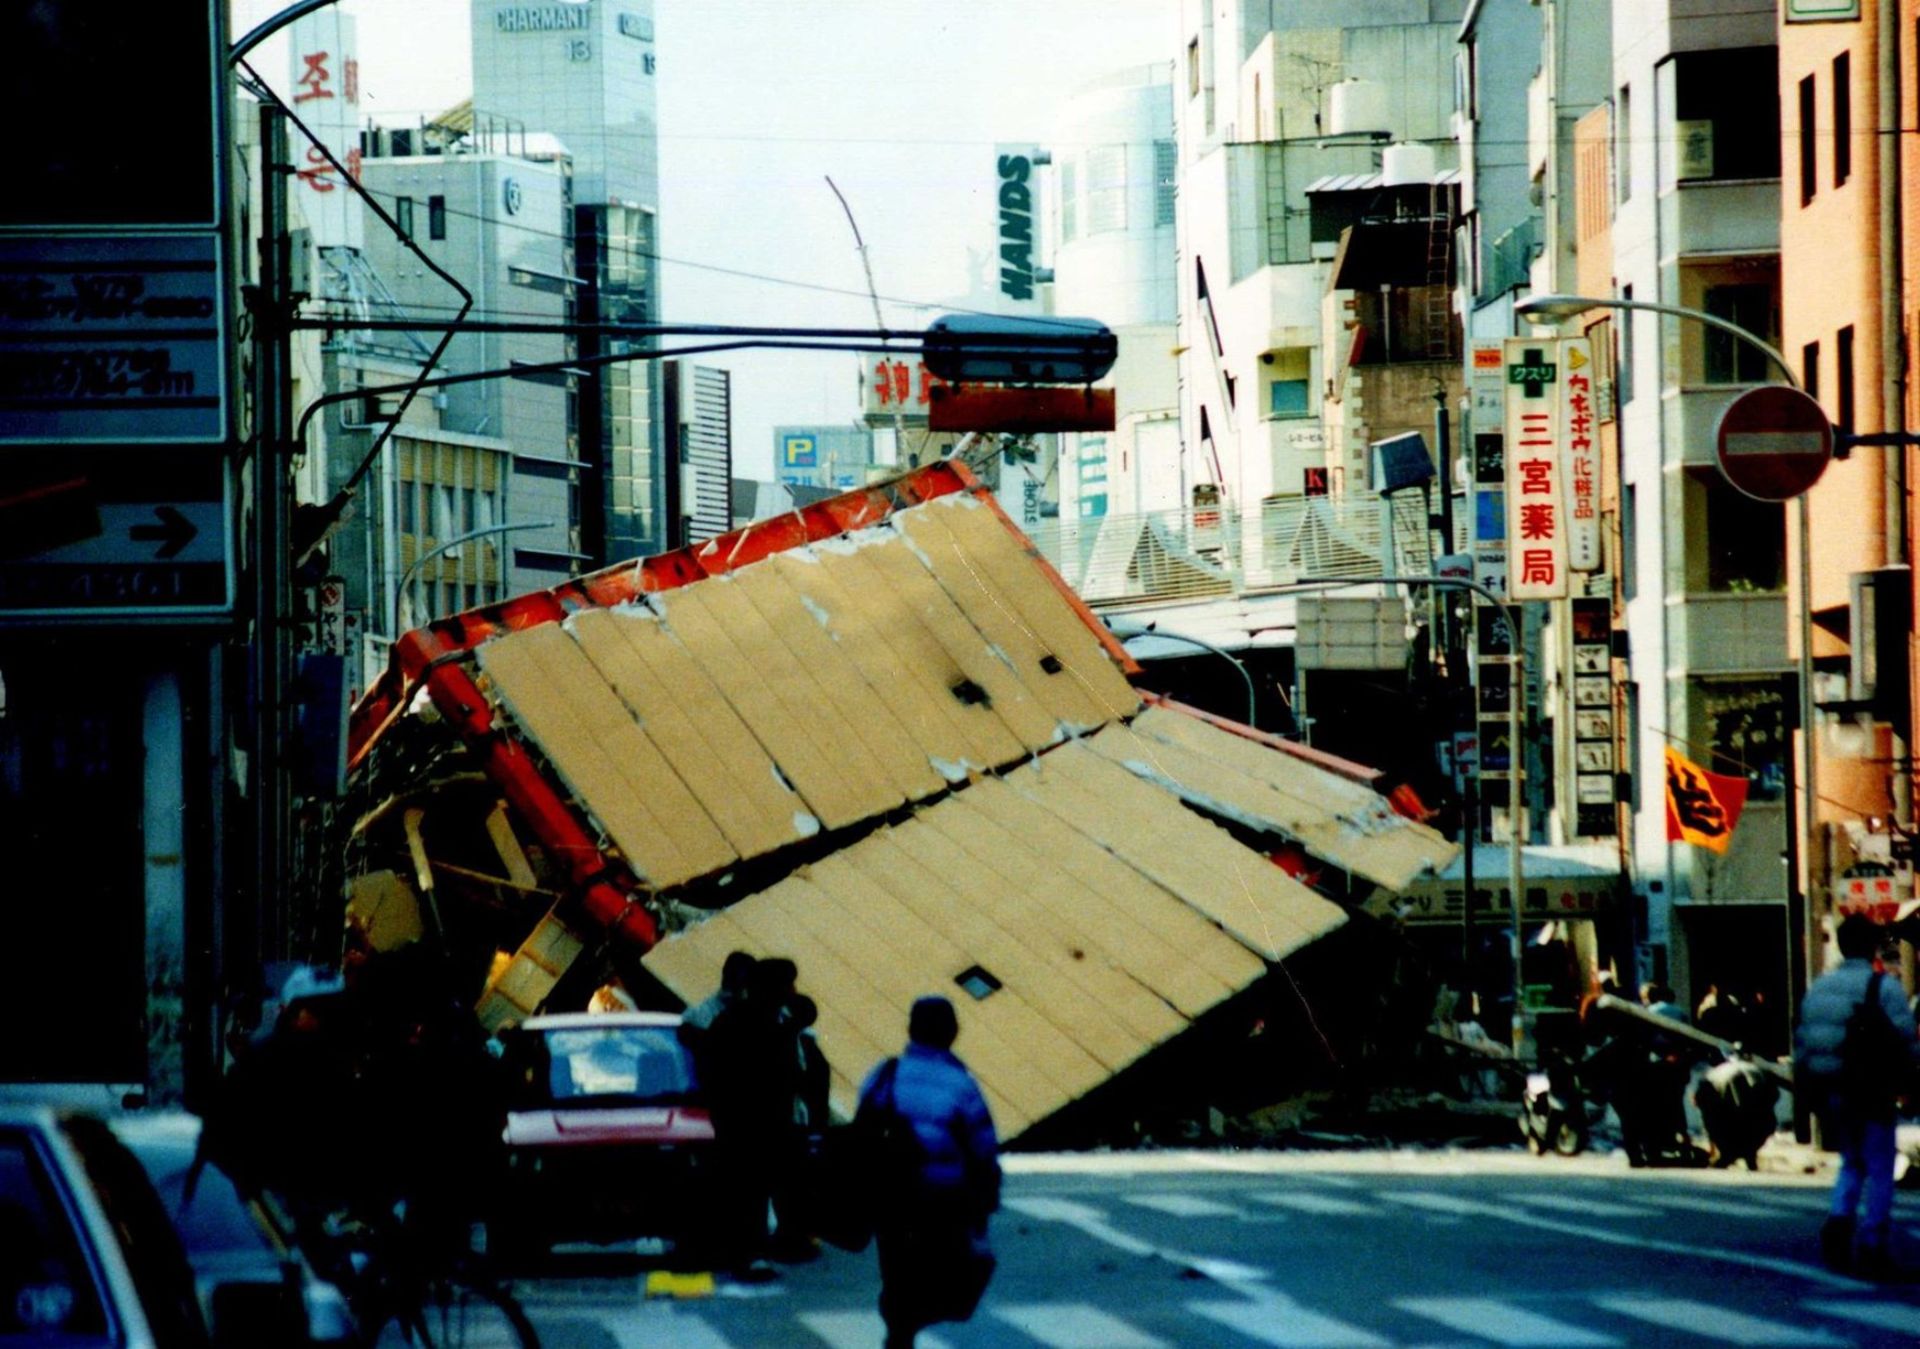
1774, 443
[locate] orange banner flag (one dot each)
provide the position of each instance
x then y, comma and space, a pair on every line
1702, 807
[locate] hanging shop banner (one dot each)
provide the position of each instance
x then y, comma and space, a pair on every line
1536, 497
324, 68
1580, 468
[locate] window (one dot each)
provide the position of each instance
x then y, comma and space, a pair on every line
1843, 377
1746, 540
1165, 173
436, 217
1288, 398
1069, 202
1728, 359
1106, 189
1629, 541
1622, 122
1193, 68
403, 215
1745, 726
1842, 118
1726, 109
1625, 381
1807, 166
1810, 369
56, 1295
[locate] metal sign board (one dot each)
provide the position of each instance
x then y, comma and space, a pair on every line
1774, 443
141, 539
1821, 11
1536, 497
112, 338
1580, 467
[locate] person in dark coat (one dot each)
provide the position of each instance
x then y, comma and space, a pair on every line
1856, 1110
939, 1189
751, 1077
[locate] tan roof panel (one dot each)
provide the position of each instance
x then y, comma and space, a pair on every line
1336, 819
1014, 605
1262, 907
609, 764
1100, 947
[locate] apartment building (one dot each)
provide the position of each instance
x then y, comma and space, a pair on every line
1847, 76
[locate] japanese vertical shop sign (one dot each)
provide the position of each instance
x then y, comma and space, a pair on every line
1589, 658
1579, 436
1487, 464
1536, 497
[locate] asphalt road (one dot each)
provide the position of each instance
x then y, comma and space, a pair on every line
1317, 1250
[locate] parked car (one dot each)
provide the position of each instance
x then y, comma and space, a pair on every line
229, 1241
87, 1256
608, 1136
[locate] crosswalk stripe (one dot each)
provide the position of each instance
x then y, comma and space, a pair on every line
1713, 1322
1592, 1208
1722, 1208
1900, 1316
1490, 1319
1328, 1205
858, 1330
1281, 1322
1075, 1325
659, 1325
1183, 1205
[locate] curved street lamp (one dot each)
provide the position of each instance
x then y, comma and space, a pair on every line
406, 577
1126, 630
1556, 308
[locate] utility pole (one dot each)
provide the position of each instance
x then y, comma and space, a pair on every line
270, 308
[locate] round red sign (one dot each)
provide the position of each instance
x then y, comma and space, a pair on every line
1774, 443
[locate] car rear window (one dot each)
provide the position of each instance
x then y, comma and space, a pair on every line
47, 1291
645, 1063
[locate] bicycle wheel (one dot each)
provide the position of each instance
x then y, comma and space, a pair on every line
455, 1314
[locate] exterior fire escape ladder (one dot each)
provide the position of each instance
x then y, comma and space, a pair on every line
1437, 301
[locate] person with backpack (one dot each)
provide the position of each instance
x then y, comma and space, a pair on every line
936, 1173
1854, 1058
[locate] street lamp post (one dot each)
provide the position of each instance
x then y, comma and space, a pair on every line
1557, 308
406, 577
1516, 877
1126, 631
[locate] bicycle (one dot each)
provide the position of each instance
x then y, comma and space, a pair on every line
403, 1298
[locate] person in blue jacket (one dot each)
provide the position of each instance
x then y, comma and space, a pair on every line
940, 1180
1852, 1067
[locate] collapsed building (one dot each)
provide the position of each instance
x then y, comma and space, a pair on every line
879, 736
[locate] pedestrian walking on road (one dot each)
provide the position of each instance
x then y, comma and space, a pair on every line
1854, 1057
937, 1185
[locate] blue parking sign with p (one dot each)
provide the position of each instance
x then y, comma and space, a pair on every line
799, 452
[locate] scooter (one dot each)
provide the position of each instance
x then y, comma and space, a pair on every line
1553, 1111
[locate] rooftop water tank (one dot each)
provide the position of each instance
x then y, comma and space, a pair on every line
1407, 164
1357, 108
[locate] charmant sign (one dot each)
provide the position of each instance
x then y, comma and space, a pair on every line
1016, 225
543, 19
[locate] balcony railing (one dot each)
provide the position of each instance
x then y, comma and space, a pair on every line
1209, 551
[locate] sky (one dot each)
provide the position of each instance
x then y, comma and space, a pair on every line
900, 101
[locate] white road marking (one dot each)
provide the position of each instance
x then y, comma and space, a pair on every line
1713, 1322
1901, 1316
1448, 1204
1093, 1222
1284, 1323
1183, 1205
1075, 1325
1723, 1208
1491, 1319
1592, 1208
858, 1330
660, 1325
1328, 1205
